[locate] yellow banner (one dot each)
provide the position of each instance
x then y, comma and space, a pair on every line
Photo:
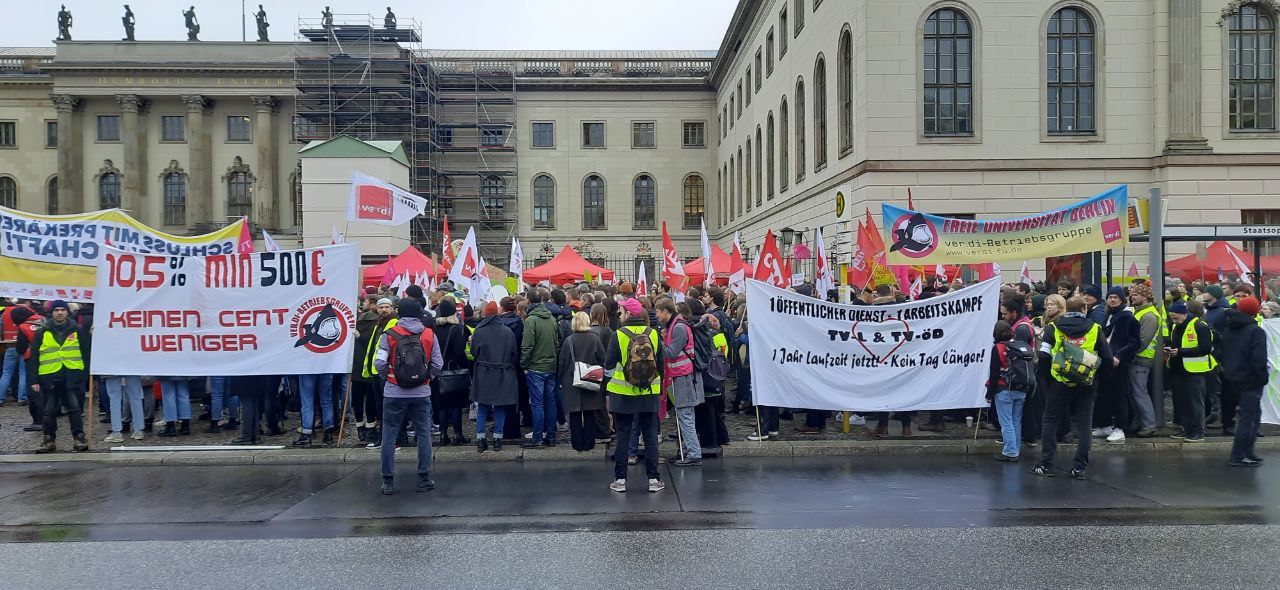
56, 256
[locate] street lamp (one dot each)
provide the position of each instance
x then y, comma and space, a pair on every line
788, 234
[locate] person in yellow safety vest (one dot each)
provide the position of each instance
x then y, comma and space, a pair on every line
60, 363
386, 320
363, 386
1190, 363
1063, 399
1152, 330
634, 406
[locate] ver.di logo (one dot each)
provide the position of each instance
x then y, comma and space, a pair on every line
914, 236
321, 324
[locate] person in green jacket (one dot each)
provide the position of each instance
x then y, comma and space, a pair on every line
538, 359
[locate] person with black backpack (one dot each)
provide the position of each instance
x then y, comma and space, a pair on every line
1013, 377
633, 366
409, 355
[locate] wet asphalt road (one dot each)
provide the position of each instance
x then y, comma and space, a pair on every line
1141, 521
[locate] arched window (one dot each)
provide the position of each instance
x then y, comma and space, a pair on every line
109, 191
1253, 75
544, 202
719, 198
51, 196
737, 179
694, 197
733, 189
492, 205
759, 166
784, 148
642, 189
8, 192
239, 194
746, 172
845, 92
948, 73
819, 113
175, 199
1069, 65
593, 195
769, 165
799, 130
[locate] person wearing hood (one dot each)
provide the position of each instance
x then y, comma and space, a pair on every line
411, 401
59, 361
495, 379
1244, 369
1148, 407
538, 359
510, 318
1062, 399
1121, 330
1190, 362
1215, 308
450, 392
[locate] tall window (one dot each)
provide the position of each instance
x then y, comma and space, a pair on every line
748, 77
759, 166
175, 199
1069, 62
544, 202
733, 189
782, 27
845, 92
719, 197
8, 134
109, 191
784, 147
746, 172
819, 113
737, 179
694, 197
593, 203
769, 148
759, 68
645, 205
296, 196
948, 73
51, 196
1253, 74
693, 134
768, 53
724, 118
799, 131
799, 17
51, 134
8, 192
492, 189
239, 194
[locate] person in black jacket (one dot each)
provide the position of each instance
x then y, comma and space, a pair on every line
1243, 350
451, 392
1190, 363
1062, 399
1121, 331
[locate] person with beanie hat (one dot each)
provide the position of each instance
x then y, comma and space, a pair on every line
1188, 350
1243, 350
413, 402
60, 361
1148, 406
28, 321
1094, 309
1121, 330
450, 393
634, 406
1215, 316
495, 384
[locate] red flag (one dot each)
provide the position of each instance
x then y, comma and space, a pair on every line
877, 240
672, 270
985, 270
770, 267
246, 238
859, 271
786, 270
447, 245
390, 275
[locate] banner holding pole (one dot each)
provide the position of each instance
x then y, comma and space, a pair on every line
231, 314
925, 355
1097, 223
57, 256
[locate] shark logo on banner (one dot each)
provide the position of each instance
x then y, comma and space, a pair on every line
322, 329
914, 236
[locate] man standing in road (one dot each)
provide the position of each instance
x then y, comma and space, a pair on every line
60, 361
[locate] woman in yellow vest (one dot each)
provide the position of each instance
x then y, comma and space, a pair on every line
61, 361
634, 404
1190, 362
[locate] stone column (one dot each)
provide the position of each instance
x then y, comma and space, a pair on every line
266, 208
1185, 135
70, 154
130, 135
200, 167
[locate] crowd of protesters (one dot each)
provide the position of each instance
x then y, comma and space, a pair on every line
595, 360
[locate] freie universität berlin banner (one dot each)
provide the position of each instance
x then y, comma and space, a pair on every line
1098, 223
56, 256
932, 354
264, 313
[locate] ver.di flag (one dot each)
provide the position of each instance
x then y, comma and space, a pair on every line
672, 270
642, 282
230, 314
379, 202
516, 267
824, 280
707, 269
737, 267
467, 264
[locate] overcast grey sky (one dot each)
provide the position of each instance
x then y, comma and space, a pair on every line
446, 24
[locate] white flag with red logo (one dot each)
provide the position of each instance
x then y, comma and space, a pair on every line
737, 267
336, 237
672, 270
1026, 275
467, 265
446, 253
770, 268
825, 279
1240, 269
917, 287
707, 269
269, 242
642, 283
379, 202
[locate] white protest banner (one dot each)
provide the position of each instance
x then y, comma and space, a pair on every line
923, 355
241, 314
1271, 393
377, 201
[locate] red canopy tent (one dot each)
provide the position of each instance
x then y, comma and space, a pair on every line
567, 267
720, 263
1188, 268
410, 260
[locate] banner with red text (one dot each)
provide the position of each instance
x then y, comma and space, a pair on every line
265, 313
1098, 223
56, 256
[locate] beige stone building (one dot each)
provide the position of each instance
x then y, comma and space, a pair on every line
989, 108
